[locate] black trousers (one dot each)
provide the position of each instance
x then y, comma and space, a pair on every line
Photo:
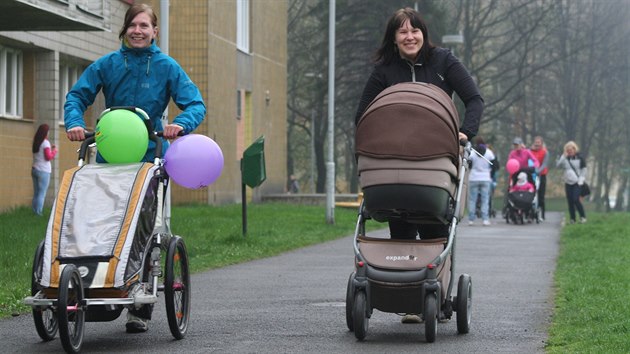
542, 187
402, 230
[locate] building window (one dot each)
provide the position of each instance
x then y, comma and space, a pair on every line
242, 25
10, 82
68, 76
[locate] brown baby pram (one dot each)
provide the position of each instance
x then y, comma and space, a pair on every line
412, 167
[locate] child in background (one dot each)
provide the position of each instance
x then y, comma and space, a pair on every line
522, 184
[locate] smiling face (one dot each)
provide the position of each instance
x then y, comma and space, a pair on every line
409, 40
140, 31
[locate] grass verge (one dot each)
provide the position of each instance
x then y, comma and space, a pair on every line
213, 236
592, 307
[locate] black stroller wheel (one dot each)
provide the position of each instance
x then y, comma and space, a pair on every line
359, 315
70, 309
177, 287
45, 320
350, 303
430, 317
464, 303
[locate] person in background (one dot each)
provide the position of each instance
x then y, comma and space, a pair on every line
522, 184
293, 187
406, 54
574, 175
43, 153
480, 182
541, 154
522, 155
139, 75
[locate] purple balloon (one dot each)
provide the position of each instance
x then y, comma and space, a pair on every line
194, 161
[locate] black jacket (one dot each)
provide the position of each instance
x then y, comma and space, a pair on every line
443, 70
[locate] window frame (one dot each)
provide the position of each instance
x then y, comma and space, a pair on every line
13, 108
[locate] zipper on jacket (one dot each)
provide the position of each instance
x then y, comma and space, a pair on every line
413, 69
148, 64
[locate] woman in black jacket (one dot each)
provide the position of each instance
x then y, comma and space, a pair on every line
406, 54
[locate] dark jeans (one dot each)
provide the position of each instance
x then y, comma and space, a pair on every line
542, 187
403, 230
572, 192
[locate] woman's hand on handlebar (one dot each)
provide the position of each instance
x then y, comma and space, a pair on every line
463, 138
171, 131
76, 134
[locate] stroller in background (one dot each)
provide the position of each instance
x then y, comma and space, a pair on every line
522, 206
104, 246
411, 168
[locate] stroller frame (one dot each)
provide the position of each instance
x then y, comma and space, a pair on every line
434, 302
64, 307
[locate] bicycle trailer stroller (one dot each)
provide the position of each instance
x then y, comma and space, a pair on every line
103, 249
412, 168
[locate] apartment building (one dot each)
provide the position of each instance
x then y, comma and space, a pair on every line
234, 50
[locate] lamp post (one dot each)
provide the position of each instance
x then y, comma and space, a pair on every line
330, 164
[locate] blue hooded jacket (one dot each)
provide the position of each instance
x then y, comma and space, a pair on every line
145, 78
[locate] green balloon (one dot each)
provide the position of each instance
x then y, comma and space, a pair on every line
121, 137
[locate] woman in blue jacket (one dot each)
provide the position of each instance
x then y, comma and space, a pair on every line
140, 75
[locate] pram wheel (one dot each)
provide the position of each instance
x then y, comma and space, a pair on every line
463, 304
359, 315
430, 317
177, 287
350, 303
45, 320
70, 309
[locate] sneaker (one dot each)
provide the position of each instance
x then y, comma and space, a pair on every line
486, 223
582, 220
471, 223
136, 324
572, 222
409, 318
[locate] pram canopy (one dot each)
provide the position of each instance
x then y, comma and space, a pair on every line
408, 152
102, 219
409, 121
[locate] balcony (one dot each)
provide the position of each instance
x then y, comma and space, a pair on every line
55, 15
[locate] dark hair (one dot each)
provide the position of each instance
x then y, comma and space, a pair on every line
478, 140
133, 11
39, 137
388, 50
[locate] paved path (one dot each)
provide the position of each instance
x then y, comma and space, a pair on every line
294, 303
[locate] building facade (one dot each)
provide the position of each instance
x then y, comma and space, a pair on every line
234, 50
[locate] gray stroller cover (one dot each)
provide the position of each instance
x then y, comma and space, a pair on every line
96, 223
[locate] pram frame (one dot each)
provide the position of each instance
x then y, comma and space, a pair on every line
359, 305
139, 292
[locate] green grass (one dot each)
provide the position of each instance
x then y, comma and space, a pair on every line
592, 302
213, 236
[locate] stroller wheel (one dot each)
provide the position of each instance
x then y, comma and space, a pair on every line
350, 303
430, 317
177, 287
45, 320
359, 315
70, 309
464, 303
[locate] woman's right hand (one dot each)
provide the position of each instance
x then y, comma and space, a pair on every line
76, 134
